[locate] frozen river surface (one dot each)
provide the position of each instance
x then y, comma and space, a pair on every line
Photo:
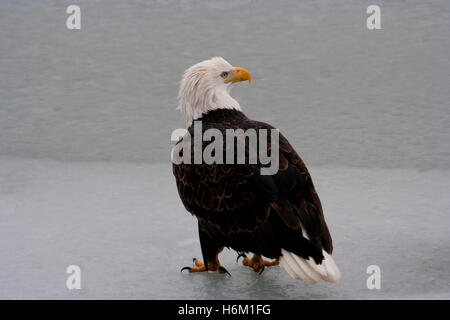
86, 117
126, 228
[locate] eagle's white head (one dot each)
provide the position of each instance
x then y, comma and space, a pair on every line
206, 86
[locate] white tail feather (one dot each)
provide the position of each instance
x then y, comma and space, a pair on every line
288, 259
333, 273
320, 268
310, 272
307, 269
288, 269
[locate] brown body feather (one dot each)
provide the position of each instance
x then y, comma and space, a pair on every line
239, 208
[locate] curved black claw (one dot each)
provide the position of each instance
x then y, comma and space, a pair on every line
262, 268
243, 255
223, 270
185, 268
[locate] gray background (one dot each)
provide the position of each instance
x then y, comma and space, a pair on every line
86, 118
341, 93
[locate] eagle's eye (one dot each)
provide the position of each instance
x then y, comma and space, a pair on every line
224, 74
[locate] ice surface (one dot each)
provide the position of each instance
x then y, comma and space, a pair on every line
344, 96
125, 226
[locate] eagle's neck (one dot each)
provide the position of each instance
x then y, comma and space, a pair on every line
214, 99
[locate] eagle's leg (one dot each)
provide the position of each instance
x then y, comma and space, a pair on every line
210, 252
258, 263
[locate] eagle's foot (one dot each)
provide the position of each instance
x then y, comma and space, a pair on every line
200, 267
257, 262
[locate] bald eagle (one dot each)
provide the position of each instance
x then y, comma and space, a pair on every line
277, 216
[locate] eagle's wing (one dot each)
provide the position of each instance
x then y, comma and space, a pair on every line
240, 208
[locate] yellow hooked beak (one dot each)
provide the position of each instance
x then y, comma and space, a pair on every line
240, 74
